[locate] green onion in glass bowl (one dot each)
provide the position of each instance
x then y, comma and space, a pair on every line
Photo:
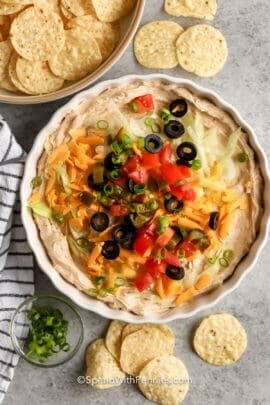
46, 330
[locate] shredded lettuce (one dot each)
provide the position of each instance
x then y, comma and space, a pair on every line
197, 134
231, 147
62, 172
41, 209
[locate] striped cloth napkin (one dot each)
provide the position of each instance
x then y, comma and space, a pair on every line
16, 260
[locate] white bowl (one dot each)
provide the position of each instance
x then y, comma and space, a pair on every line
199, 303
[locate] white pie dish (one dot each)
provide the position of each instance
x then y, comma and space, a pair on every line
199, 303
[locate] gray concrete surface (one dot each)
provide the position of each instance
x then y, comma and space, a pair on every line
245, 83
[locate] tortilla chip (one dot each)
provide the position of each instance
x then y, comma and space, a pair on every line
113, 338
164, 380
192, 8
132, 327
9, 8
37, 34
5, 54
202, 50
106, 34
110, 11
154, 45
80, 56
13, 75
140, 347
102, 370
78, 7
220, 340
37, 77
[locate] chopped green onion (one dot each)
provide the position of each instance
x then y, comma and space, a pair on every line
153, 205
58, 218
108, 189
41, 209
212, 260
134, 106
117, 148
196, 164
140, 189
228, 255
163, 224
36, 182
243, 157
48, 333
115, 174
119, 281
149, 121
103, 199
223, 262
161, 254
155, 128
85, 244
141, 142
62, 172
99, 280
165, 115
98, 173
127, 142
102, 124
184, 232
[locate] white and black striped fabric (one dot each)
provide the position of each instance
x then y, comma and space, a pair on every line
16, 260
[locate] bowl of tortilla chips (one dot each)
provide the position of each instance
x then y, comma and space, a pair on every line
50, 49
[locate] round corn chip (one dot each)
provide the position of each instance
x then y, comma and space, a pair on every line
51, 4
132, 327
106, 34
154, 45
142, 346
110, 11
78, 7
13, 75
113, 338
80, 56
9, 8
202, 50
192, 8
164, 380
220, 339
5, 54
102, 369
37, 34
7, 84
66, 13
37, 77
25, 2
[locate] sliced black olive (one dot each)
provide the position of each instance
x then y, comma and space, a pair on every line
176, 239
182, 162
109, 162
129, 224
110, 250
173, 205
174, 129
130, 185
175, 273
153, 143
100, 221
213, 220
179, 107
96, 186
86, 198
124, 235
186, 151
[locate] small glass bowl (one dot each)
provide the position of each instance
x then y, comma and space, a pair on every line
20, 326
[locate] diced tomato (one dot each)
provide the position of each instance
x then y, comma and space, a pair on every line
132, 164
139, 176
187, 247
120, 182
177, 192
172, 173
143, 281
165, 154
117, 210
142, 104
143, 242
155, 268
149, 229
162, 240
150, 160
173, 259
188, 193
155, 173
